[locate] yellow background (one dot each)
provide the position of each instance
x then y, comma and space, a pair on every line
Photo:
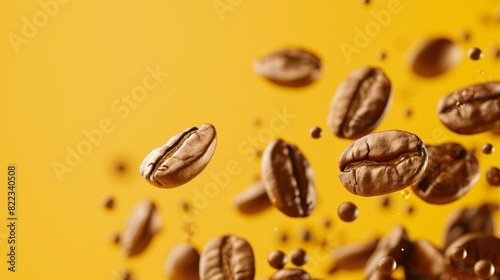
66, 77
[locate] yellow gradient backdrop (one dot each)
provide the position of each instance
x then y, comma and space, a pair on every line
68, 74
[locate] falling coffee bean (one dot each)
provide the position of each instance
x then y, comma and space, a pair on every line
434, 57
306, 235
290, 274
288, 179
387, 265
493, 176
290, 67
348, 212
352, 256
181, 159
182, 263
315, 132
458, 253
475, 53
227, 257
108, 202
252, 200
277, 259
140, 228
484, 269
298, 257
426, 261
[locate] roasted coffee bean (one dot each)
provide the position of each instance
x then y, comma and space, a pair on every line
387, 265
288, 179
458, 253
108, 202
252, 200
359, 103
352, 256
348, 212
493, 176
469, 220
290, 67
487, 148
382, 163
434, 57
484, 269
396, 245
475, 53
298, 257
426, 261
315, 132
227, 257
479, 246
471, 110
290, 274
181, 159
183, 263
277, 259
451, 172
139, 230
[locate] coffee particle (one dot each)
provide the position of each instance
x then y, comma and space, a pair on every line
487, 148
410, 209
306, 235
458, 253
382, 55
475, 53
315, 132
327, 223
298, 257
277, 259
284, 238
348, 212
385, 202
387, 265
108, 202
115, 238
493, 176
484, 269
185, 206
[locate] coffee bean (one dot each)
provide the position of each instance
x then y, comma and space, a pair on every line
471, 110
182, 263
227, 257
482, 249
469, 220
108, 202
396, 245
276, 259
298, 257
426, 261
458, 253
475, 53
434, 57
387, 265
290, 67
140, 228
484, 269
450, 173
181, 159
352, 256
288, 179
487, 148
382, 163
290, 274
315, 132
493, 176
359, 103
252, 200
348, 212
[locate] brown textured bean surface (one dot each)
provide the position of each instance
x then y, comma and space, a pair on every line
471, 110
182, 263
426, 261
493, 176
450, 173
227, 257
290, 274
181, 159
382, 163
434, 57
359, 103
288, 179
290, 67
353, 256
252, 200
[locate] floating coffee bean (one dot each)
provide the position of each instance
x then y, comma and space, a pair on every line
434, 57
108, 202
290, 274
493, 176
469, 220
288, 179
479, 246
353, 256
387, 265
473, 109
298, 257
359, 103
458, 253
487, 148
450, 173
182, 263
382, 163
315, 132
475, 53
181, 159
348, 212
277, 259
227, 257
290, 67
484, 269
253, 200
426, 261
396, 245
142, 225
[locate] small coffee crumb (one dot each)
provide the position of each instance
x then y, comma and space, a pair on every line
496, 52
382, 55
410, 209
108, 202
475, 53
465, 35
284, 238
306, 235
366, 2
298, 257
493, 176
487, 148
386, 202
315, 132
327, 223
277, 259
115, 238
348, 212
257, 122
407, 112
120, 167
185, 206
